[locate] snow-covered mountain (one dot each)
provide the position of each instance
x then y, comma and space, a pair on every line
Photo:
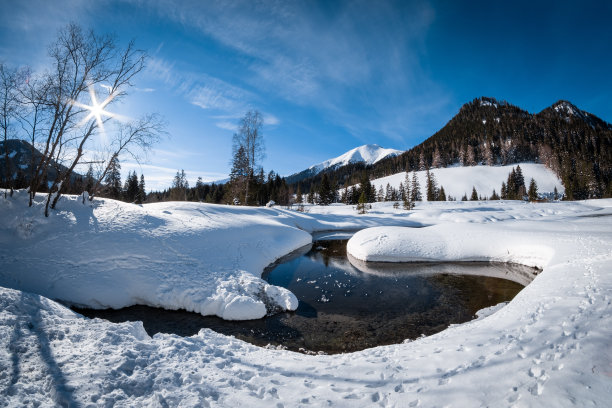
367, 154
568, 111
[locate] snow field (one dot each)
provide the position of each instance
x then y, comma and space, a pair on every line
458, 181
550, 346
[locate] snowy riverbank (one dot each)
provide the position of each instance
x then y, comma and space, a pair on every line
550, 346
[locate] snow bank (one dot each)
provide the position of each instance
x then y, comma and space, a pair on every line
199, 257
448, 243
549, 347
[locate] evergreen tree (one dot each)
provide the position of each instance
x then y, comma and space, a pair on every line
474, 196
381, 194
415, 189
239, 175
464, 198
533, 190
326, 191
298, 195
89, 180
142, 194
432, 188
113, 179
494, 196
504, 191
401, 192
131, 187
200, 189
361, 203
555, 194
441, 194
311, 195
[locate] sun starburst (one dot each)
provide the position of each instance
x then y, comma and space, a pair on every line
97, 110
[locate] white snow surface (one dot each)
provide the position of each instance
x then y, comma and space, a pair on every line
548, 347
203, 258
458, 180
368, 154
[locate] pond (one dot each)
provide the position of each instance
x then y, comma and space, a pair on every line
346, 305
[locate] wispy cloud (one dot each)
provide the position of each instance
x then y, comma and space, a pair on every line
360, 58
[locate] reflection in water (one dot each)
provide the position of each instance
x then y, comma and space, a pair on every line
346, 305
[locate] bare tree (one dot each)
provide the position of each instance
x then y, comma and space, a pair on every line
73, 108
8, 109
32, 114
250, 139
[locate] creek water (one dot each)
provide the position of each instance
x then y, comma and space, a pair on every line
346, 305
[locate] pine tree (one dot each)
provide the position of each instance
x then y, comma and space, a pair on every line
389, 194
533, 190
504, 191
464, 198
361, 203
474, 196
494, 196
311, 195
441, 194
415, 189
113, 179
326, 191
142, 194
131, 187
432, 188
520, 184
381, 194
555, 194
401, 192
89, 179
298, 195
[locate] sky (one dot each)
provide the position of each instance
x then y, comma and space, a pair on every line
327, 76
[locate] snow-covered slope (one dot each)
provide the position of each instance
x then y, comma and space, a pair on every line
367, 154
458, 181
549, 347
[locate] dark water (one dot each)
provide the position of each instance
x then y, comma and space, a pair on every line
346, 305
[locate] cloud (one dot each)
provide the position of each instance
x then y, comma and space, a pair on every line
270, 120
231, 126
359, 57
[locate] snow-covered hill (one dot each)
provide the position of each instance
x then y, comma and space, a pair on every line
367, 154
458, 181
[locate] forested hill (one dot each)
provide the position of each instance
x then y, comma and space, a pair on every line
575, 144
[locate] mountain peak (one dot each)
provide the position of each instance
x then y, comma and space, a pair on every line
568, 111
367, 154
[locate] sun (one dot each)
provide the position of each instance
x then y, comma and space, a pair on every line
96, 110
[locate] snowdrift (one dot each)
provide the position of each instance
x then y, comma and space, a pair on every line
199, 257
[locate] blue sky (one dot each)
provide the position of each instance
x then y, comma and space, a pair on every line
328, 75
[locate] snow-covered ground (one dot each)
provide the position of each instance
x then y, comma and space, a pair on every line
458, 180
550, 346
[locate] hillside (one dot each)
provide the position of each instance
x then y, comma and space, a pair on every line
458, 181
22, 159
574, 144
